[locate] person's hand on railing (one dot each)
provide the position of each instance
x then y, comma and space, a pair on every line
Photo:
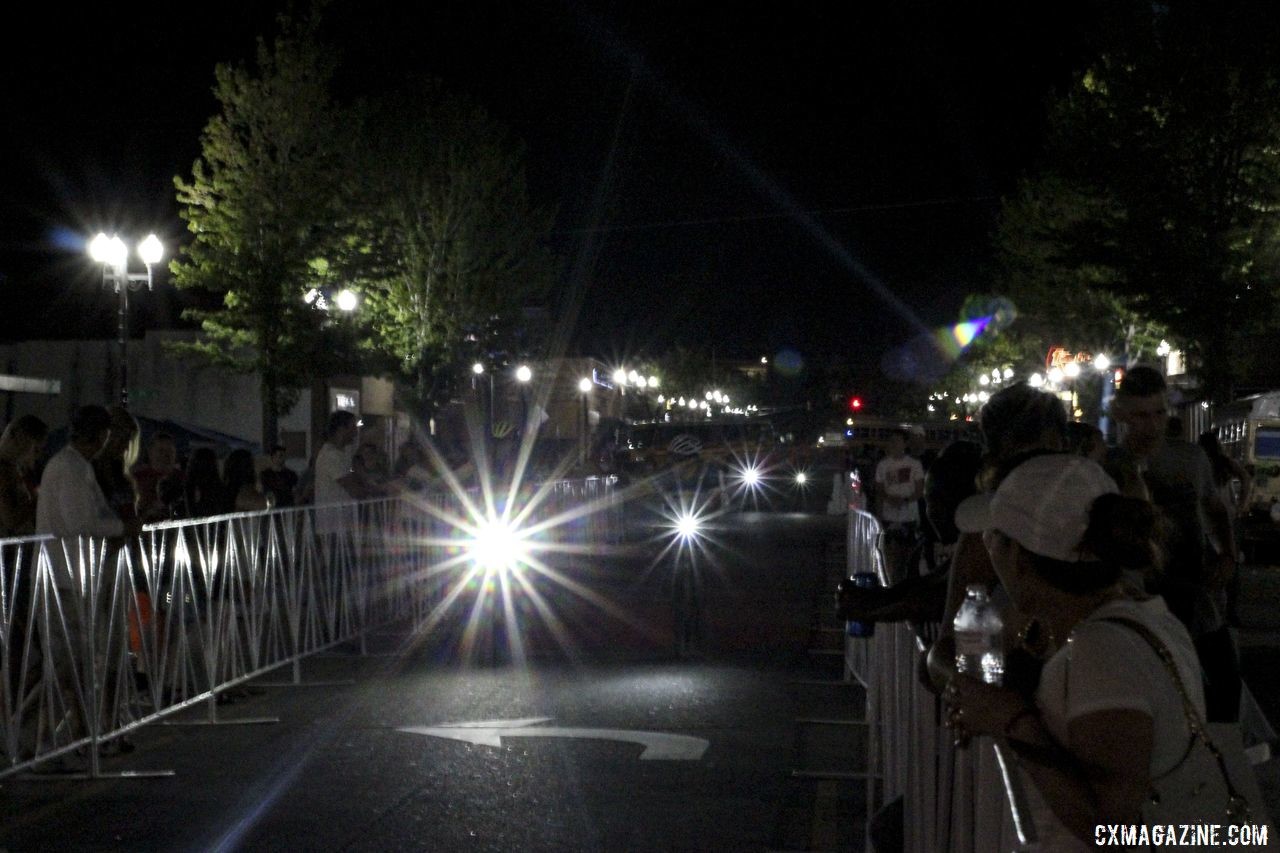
859, 603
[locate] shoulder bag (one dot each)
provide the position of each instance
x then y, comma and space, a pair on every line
1213, 783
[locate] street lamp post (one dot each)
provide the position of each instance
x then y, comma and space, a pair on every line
523, 375
477, 371
584, 388
113, 254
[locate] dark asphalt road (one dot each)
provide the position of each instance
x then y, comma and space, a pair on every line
337, 774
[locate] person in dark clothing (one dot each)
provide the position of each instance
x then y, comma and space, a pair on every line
1199, 550
278, 480
241, 483
113, 464
21, 444
206, 494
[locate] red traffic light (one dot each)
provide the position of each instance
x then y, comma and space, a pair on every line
855, 403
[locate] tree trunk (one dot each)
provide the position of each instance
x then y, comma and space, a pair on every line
270, 410
423, 387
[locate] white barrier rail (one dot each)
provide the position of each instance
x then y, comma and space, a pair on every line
955, 799
99, 637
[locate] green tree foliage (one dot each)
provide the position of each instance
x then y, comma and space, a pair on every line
445, 242
261, 203
1060, 301
1158, 196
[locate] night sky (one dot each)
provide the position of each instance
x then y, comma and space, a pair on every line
752, 178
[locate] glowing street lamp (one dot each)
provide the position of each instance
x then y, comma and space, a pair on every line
524, 375
347, 300
113, 254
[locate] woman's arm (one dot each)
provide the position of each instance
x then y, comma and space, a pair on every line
1100, 776
1107, 777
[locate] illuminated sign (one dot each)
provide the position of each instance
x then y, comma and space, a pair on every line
1060, 357
601, 378
344, 400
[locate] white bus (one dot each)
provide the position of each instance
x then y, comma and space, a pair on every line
1249, 431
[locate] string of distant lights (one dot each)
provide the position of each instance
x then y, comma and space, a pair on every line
1058, 378
708, 403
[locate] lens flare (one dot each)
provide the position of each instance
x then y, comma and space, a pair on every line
964, 333
688, 525
509, 549
497, 546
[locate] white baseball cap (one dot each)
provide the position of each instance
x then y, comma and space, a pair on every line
1043, 505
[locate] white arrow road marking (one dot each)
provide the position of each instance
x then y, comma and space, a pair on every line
658, 746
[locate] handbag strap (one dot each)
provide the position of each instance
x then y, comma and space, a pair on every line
1237, 805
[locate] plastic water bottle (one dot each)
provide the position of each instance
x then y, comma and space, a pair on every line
979, 637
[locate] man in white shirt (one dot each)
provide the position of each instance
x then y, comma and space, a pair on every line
71, 502
71, 505
899, 487
335, 482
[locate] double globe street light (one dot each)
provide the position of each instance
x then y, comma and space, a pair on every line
113, 254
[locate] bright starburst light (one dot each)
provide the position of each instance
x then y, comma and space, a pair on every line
751, 478
687, 525
509, 549
497, 546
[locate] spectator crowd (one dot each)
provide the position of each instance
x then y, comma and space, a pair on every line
100, 488
1114, 569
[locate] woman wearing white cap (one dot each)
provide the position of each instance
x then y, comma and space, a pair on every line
1109, 727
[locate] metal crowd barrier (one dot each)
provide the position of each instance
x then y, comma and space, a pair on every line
604, 523
99, 637
963, 800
